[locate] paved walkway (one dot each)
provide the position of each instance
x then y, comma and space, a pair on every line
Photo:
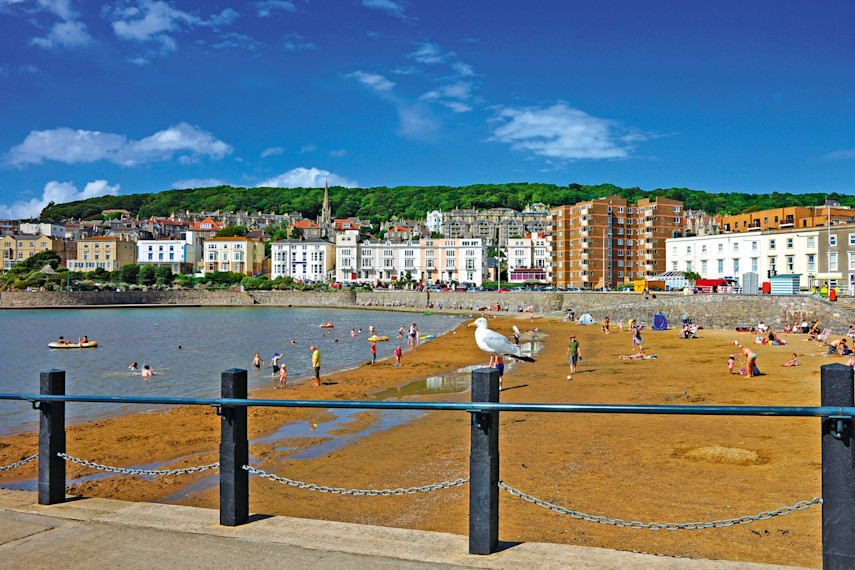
103, 533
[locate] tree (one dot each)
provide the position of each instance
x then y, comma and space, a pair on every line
163, 274
232, 231
147, 275
37, 261
129, 273
691, 276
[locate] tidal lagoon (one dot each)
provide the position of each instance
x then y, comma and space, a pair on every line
210, 339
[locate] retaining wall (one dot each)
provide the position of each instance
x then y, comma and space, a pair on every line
718, 311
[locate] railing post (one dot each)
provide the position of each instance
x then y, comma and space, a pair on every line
484, 466
51, 439
234, 452
838, 470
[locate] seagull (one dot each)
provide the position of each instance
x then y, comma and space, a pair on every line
494, 343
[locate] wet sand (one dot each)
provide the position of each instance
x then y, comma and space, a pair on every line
635, 467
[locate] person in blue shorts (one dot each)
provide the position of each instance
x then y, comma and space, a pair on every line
500, 366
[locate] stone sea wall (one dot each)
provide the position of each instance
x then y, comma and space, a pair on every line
719, 311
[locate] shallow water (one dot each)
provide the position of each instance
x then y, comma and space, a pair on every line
211, 340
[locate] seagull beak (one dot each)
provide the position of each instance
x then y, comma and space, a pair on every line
472, 324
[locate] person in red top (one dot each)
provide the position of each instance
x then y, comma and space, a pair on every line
373, 352
398, 356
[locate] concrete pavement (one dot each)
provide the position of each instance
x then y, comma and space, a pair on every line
103, 533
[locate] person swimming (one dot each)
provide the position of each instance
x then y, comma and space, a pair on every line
147, 371
134, 367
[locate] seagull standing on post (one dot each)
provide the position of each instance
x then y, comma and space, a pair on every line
495, 344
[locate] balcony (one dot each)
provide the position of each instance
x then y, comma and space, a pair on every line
648, 256
584, 256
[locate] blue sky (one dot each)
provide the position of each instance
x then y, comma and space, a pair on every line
143, 96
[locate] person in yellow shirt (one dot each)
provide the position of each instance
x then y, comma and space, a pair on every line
316, 364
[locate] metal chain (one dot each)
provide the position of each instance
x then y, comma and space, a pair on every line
765, 515
18, 464
356, 492
124, 471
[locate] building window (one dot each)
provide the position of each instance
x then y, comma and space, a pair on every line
789, 243
832, 240
811, 262
704, 248
753, 246
790, 263
812, 240
703, 267
735, 246
832, 261
720, 247
771, 244
755, 264
720, 264
736, 266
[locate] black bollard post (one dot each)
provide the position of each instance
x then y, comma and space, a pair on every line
51, 439
838, 470
484, 466
234, 452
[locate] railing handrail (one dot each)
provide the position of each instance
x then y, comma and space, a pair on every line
472, 407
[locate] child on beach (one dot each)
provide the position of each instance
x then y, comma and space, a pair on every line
793, 362
398, 356
257, 362
283, 376
730, 364
373, 352
605, 328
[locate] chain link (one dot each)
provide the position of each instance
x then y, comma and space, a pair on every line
153, 472
356, 492
18, 464
765, 515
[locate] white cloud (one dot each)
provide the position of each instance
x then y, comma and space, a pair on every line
29, 68
307, 178
372, 80
389, 6
64, 34
295, 42
268, 6
429, 53
58, 193
150, 21
461, 90
338, 153
563, 132
79, 146
308, 148
416, 122
843, 153
457, 106
274, 150
462, 69
61, 8
236, 40
197, 183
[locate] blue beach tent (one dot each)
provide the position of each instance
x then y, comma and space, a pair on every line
660, 323
586, 319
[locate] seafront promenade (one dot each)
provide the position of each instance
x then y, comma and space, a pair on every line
105, 533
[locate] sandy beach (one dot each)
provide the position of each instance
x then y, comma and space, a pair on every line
634, 467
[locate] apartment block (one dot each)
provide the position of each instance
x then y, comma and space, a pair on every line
302, 260
18, 247
605, 242
794, 217
108, 253
233, 254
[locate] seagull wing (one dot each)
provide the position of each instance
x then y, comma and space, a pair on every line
516, 330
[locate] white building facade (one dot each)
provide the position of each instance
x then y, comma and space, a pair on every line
731, 255
178, 255
302, 260
434, 221
427, 261
528, 259
44, 228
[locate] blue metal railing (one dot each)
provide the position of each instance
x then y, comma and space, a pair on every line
472, 407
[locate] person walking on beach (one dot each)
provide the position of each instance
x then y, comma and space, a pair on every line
316, 364
398, 356
500, 366
573, 354
606, 325
373, 352
636, 337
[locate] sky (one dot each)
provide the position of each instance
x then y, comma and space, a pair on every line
139, 96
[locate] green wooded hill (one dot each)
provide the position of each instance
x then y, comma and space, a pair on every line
413, 202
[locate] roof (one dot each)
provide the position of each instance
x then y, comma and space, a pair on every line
234, 238
305, 224
208, 220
